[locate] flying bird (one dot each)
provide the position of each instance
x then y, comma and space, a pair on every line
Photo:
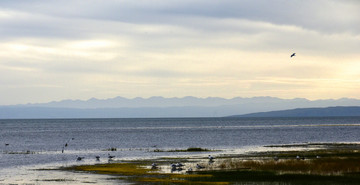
292, 55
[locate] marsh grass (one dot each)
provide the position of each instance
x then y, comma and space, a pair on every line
136, 172
55, 180
125, 169
330, 163
21, 152
333, 167
110, 149
185, 150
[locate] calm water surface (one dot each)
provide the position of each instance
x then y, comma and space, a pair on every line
37, 143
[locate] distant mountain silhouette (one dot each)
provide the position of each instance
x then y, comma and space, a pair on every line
309, 112
158, 106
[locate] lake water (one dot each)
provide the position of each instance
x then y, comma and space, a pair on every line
29, 144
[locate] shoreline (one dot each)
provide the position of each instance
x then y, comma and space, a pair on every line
252, 167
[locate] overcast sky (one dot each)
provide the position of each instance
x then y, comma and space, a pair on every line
79, 49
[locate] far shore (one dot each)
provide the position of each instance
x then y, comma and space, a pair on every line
330, 163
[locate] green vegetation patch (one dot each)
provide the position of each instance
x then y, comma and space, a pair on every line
110, 149
125, 169
56, 180
185, 150
21, 152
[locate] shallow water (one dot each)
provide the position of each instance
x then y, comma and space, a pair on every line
26, 145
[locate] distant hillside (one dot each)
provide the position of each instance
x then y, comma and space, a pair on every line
157, 106
246, 105
309, 112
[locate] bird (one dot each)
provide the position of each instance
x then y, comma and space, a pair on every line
66, 145
292, 55
154, 166
211, 158
276, 158
79, 158
6, 144
179, 165
198, 166
173, 167
111, 156
97, 158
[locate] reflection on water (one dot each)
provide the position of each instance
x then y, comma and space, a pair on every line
35, 175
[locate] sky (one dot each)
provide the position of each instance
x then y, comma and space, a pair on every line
80, 49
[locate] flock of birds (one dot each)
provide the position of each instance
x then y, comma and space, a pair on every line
180, 166
173, 167
276, 158
110, 157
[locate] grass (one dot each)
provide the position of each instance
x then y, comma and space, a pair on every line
110, 149
55, 180
22, 152
335, 166
124, 169
323, 166
137, 173
185, 150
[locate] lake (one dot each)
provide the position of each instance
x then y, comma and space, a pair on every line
28, 144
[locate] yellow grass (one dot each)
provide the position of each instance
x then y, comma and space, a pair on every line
128, 169
324, 166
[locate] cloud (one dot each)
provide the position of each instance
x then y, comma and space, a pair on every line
83, 49
329, 16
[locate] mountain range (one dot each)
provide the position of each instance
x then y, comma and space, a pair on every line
120, 107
